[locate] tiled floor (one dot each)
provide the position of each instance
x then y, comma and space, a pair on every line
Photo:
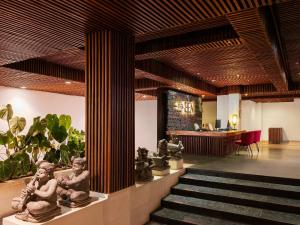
273, 160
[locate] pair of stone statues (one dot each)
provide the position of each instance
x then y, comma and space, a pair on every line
158, 164
38, 201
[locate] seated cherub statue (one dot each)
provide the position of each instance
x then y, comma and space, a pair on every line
38, 201
74, 189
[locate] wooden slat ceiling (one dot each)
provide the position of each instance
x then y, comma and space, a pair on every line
53, 31
32, 81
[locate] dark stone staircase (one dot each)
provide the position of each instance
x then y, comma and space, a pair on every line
224, 198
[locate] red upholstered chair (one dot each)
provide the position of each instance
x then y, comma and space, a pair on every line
247, 138
257, 134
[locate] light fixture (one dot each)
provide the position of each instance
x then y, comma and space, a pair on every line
144, 96
299, 73
297, 63
238, 75
246, 94
68, 82
234, 120
198, 73
203, 96
213, 80
23, 87
179, 88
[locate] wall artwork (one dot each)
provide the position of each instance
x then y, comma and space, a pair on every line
177, 110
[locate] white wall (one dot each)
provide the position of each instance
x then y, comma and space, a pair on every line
146, 124
265, 115
226, 106
222, 109
30, 104
209, 114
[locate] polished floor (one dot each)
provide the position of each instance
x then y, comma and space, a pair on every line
282, 160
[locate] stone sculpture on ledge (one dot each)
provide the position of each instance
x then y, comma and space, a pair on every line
175, 148
74, 190
161, 164
143, 166
38, 201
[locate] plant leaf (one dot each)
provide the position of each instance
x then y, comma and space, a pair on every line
10, 112
17, 124
52, 121
64, 154
59, 133
65, 121
6, 169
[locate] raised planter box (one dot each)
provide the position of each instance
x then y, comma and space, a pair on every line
12, 188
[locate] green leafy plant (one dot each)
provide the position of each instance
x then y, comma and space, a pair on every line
52, 138
17, 162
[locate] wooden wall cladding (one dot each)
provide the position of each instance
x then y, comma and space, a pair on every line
110, 110
210, 146
275, 135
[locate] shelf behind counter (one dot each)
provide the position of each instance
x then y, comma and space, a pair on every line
210, 143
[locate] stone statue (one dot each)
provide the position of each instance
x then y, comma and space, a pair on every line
175, 150
74, 189
161, 158
143, 166
38, 201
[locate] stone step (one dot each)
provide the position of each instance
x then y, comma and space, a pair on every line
240, 198
228, 211
250, 186
243, 176
175, 217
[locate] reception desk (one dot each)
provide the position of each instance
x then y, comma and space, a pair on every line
211, 143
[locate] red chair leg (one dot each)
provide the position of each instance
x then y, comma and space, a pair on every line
257, 147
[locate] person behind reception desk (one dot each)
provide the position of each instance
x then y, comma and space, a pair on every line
205, 127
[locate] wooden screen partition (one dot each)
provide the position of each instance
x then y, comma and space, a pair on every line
110, 110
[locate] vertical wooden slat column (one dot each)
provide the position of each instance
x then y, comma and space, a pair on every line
110, 110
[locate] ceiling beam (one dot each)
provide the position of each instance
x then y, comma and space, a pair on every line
146, 84
256, 30
167, 75
38, 66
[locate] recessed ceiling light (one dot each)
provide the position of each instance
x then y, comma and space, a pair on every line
23, 87
198, 73
144, 96
297, 63
179, 88
238, 75
299, 73
68, 82
203, 96
213, 80
246, 94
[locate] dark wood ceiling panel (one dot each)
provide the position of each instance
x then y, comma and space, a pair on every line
272, 100
160, 72
233, 65
42, 67
49, 25
251, 27
146, 84
289, 23
73, 58
197, 40
38, 82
